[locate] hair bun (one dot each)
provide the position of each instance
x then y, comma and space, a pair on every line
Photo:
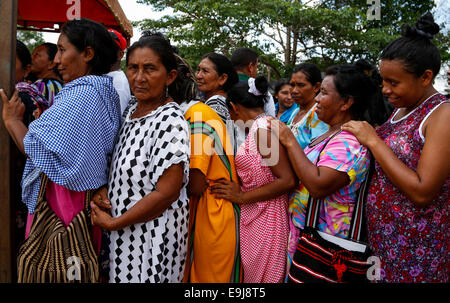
262, 84
425, 27
149, 33
364, 65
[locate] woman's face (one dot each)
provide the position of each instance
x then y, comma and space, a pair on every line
329, 101
402, 89
72, 63
21, 71
284, 96
147, 75
40, 62
303, 91
208, 80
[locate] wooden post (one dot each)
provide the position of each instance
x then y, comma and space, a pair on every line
8, 25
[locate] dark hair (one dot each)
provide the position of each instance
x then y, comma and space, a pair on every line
161, 46
351, 81
415, 48
380, 108
51, 48
223, 66
239, 93
148, 33
85, 32
278, 86
22, 53
311, 71
242, 57
187, 85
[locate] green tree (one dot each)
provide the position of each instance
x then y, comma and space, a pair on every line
286, 32
30, 38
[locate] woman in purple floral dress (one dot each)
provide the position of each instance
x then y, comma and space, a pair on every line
408, 202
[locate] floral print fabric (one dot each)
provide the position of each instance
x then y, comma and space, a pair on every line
411, 243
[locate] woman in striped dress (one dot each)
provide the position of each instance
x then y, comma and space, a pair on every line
266, 178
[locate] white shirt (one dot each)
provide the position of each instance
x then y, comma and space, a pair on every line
122, 87
269, 107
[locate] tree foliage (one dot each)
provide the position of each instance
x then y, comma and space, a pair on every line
31, 39
286, 32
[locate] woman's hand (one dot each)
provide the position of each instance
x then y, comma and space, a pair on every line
363, 131
101, 218
197, 183
100, 198
282, 131
13, 109
12, 114
224, 189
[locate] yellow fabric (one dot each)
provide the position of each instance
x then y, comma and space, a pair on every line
215, 232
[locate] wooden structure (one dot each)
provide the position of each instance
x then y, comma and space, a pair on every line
39, 15
50, 15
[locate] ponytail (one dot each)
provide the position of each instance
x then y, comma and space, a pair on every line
379, 109
251, 94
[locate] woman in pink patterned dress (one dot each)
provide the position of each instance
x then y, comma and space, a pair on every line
266, 179
408, 201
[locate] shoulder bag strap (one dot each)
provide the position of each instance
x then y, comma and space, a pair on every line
312, 209
356, 225
312, 212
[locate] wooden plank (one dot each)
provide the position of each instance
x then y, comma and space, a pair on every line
8, 24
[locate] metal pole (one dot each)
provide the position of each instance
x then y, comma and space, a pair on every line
8, 24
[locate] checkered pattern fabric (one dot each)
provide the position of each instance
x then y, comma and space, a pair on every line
73, 140
153, 251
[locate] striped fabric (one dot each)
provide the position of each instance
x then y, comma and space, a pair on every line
49, 88
218, 104
55, 254
317, 260
207, 130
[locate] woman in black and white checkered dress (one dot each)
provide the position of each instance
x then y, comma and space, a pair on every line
149, 208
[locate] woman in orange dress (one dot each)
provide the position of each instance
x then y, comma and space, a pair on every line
213, 254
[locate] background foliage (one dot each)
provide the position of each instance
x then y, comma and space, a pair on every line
286, 32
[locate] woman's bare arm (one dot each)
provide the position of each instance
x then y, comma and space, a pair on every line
151, 206
420, 186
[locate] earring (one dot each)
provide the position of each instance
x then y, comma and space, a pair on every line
167, 92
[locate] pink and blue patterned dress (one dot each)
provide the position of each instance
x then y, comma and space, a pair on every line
343, 153
411, 243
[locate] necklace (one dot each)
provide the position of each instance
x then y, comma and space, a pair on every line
140, 112
324, 137
302, 113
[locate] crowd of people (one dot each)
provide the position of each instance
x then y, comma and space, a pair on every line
205, 175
